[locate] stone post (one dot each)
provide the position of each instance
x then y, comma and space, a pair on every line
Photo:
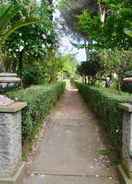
11, 165
127, 138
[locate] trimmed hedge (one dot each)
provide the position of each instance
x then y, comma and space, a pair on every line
105, 103
40, 100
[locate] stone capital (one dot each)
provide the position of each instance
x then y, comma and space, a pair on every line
13, 107
126, 107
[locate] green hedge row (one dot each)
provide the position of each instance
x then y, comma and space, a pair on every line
40, 100
105, 103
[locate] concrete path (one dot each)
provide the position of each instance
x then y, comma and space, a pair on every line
70, 152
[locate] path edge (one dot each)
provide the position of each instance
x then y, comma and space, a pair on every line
123, 177
16, 178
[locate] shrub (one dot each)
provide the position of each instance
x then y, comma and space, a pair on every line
40, 100
105, 103
32, 75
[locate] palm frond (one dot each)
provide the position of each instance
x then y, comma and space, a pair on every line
19, 24
8, 12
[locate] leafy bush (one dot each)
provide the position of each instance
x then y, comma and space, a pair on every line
32, 75
105, 103
40, 100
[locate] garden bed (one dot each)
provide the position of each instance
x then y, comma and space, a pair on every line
40, 100
105, 103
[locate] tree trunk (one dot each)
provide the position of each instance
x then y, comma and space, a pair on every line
20, 64
103, 11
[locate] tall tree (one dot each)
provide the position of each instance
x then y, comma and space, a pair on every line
32, 43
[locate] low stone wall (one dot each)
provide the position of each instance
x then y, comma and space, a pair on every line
127, 138
11, 164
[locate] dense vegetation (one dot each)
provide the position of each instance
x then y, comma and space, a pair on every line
29, 47
29, 42
105, 103
40, 100
105, 26
104, 29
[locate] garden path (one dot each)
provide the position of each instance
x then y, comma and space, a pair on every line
71, 151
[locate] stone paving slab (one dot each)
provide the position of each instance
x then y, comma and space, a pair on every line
70, 180
69, 153
68, 150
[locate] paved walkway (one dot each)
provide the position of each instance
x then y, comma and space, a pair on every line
70, 152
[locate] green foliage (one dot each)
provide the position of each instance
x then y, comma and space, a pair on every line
105, 103
70, 9
89, 24
102, 22
104, 152
7, 13
68, 65
128, 32
64, 4
60, 67
40, 100
106, 28
32, 75
90, 68
117, 61
111, 33
27, 46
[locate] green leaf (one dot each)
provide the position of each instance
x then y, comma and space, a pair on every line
7, 14
128, 32
18, 25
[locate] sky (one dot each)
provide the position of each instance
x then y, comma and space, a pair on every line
65, 41
65, 46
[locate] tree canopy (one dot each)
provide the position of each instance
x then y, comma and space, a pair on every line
31, 43
106, 27
102, 21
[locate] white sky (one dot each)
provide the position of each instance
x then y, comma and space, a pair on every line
66, 47
65, 42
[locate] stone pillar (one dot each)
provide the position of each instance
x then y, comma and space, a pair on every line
11, 165
127, 138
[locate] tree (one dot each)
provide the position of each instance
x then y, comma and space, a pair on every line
89, 69
104, 25
70, 9
110, 33
7, 13
31, 44
101, 21
61, 67
118, 62
68, 66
